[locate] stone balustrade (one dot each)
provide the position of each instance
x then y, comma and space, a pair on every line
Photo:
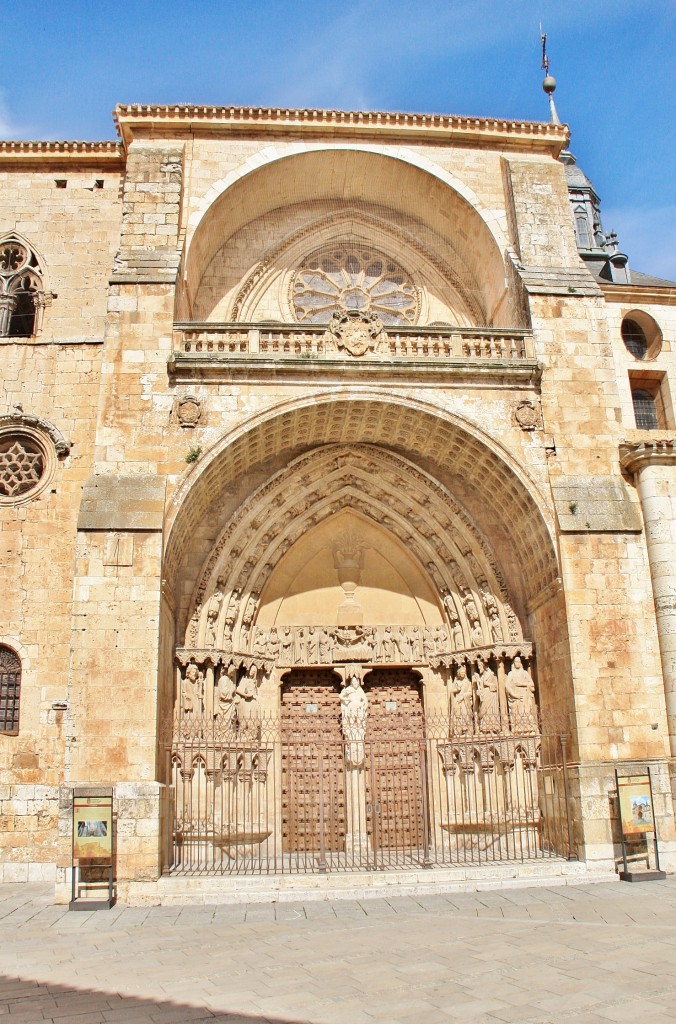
315, 341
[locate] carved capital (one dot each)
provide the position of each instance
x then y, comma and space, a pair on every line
636, 456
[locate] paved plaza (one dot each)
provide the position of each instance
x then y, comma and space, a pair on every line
588, 953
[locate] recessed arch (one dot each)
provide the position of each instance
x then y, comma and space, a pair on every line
283, 176
503, 501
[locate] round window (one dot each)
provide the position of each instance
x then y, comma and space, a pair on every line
25, 465
641, 335
342, 278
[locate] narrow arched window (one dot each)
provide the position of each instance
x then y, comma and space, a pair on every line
21, 286
582, 229
645, 409
10, 690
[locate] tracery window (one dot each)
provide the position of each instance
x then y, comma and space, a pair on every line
22, 464
21, 289
10, 690
342, 277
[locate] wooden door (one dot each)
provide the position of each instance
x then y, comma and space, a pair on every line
394, 760
313, 779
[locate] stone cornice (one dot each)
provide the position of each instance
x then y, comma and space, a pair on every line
101, 154
635, 456
137, 120
639, 295
227, 368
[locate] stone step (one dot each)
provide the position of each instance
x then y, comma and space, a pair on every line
176, 890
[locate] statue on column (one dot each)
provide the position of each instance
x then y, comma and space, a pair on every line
520, 690
354, 706
248, 708
193, 691
486, 683
462, 702
225, 693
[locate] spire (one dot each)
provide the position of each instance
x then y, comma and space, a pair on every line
549, 84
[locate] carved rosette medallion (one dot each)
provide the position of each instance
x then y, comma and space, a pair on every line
189, 409
357, 333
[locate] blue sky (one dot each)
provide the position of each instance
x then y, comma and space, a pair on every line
66, 63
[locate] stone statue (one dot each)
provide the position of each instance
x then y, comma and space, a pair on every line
325, 647
389, 646
193, 691
311, 646
486, 683
462, 702
286, 641
477, 637
213, 611
493, 614
272, 646
402, 641
248, 708
416, 644
299, 647
233, 609
225, 695
260, 646
428, 644
354, 713
520, 690
456, 631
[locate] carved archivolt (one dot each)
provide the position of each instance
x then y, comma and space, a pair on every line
388, 490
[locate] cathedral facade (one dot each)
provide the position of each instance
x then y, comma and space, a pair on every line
337, 499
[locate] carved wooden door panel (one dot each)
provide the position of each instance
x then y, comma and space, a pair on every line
313, 779
394, 761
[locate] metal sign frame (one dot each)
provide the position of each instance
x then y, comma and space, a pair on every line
92, 844
635, 794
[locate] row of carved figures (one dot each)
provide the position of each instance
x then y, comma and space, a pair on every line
481, 700
321, 645
306, 644
484, 701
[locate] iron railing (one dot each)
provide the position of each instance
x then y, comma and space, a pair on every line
288, 803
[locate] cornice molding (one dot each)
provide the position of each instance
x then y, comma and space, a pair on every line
635, 456
640, 295
133, 119
99, 153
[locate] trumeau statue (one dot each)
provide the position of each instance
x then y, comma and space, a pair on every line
354, 714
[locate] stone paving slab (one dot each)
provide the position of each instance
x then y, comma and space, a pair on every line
598, 953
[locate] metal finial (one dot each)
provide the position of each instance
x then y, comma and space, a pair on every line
545, 58
549, 84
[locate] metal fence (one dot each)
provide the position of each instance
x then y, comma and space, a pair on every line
276, 804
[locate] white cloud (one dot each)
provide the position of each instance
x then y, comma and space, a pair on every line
647, 235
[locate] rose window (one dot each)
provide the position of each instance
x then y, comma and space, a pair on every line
341, 278
22, 464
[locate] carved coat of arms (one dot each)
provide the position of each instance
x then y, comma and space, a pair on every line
355, 332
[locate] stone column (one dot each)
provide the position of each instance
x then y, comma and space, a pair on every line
7, 307
653, 466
